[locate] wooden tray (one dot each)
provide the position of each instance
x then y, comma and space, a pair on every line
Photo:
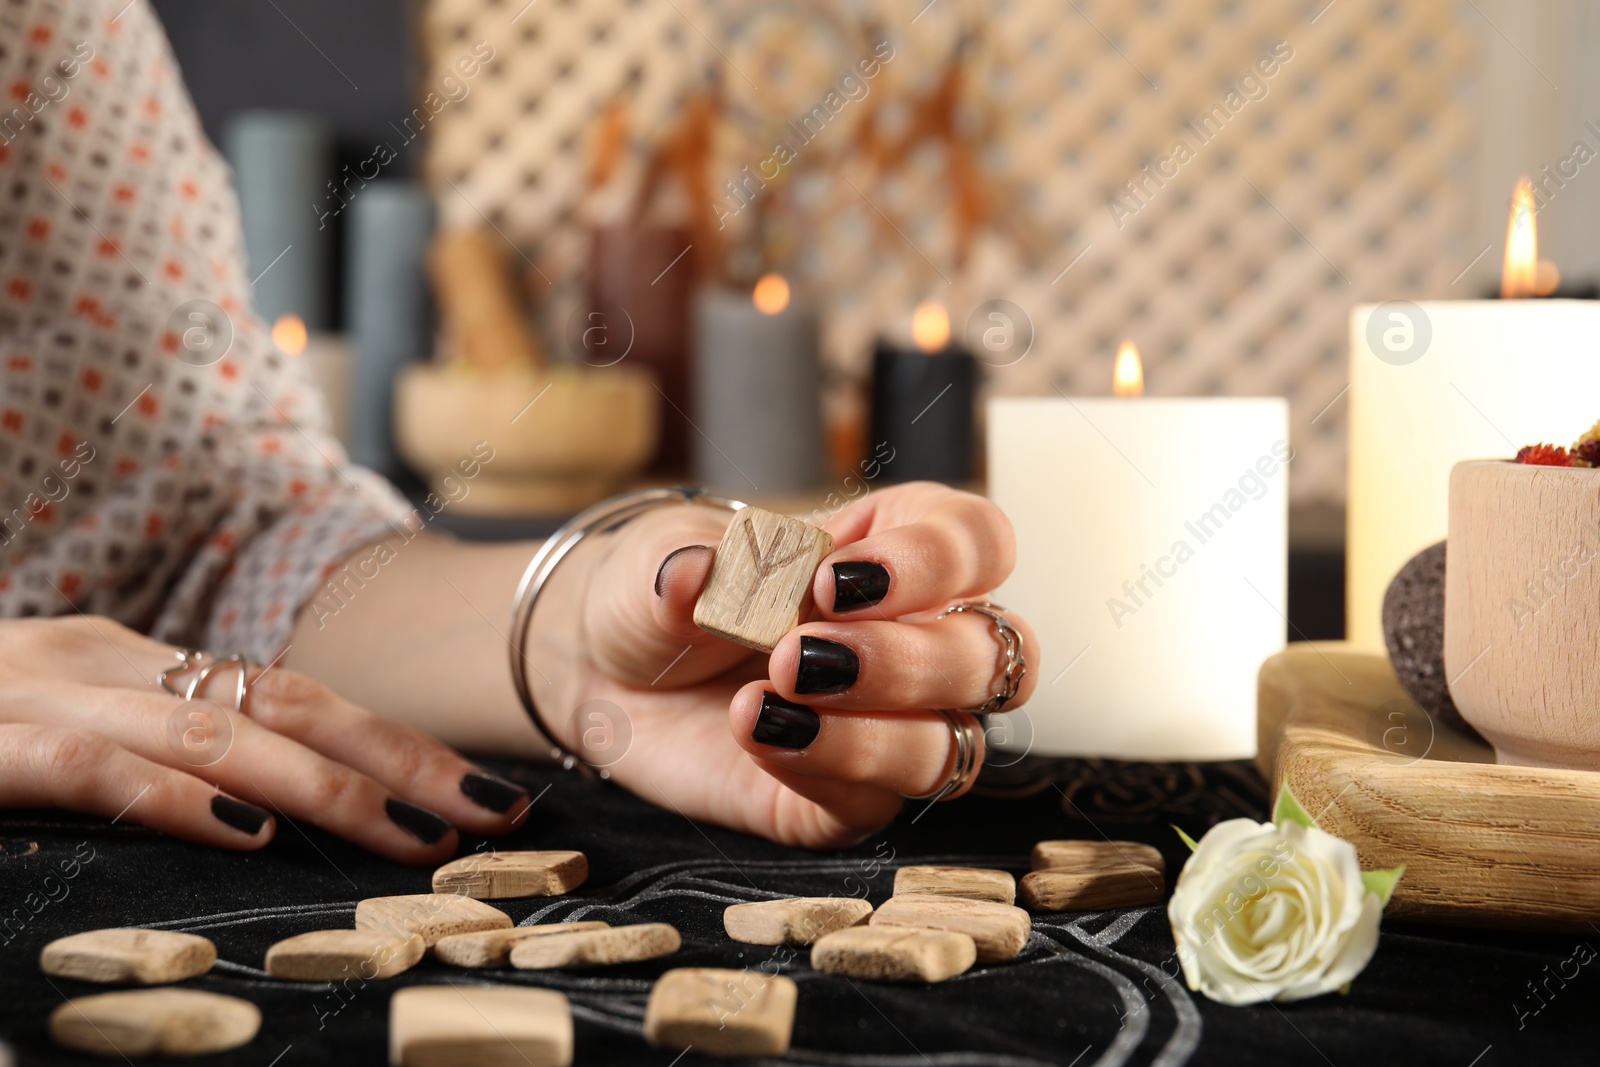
1483, 844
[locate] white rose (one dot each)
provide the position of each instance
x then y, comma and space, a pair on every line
1267, 911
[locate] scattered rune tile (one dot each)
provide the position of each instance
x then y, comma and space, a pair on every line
795, 921
721, 1012
586, 948
894, 953
131, 956
973, 883
760, 577
154, 1022
1087, 855
335, 954
463, 1025
500, 875
1097, 890
492, 948
998, 930
431, 915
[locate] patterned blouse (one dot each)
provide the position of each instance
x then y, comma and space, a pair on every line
160, 461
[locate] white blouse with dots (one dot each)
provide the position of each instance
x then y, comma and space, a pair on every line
202, 500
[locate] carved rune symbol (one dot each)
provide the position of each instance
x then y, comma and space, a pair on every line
765, 564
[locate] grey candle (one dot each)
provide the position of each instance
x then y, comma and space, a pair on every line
282, 162
757, 395
389, 308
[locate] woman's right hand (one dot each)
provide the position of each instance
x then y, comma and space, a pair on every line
86, 726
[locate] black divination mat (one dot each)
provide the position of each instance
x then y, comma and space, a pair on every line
1088, 988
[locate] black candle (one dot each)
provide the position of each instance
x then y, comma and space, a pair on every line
922, 403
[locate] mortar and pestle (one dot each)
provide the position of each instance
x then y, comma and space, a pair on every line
1522, 609
563, 436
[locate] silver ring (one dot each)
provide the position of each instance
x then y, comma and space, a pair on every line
1016, 664
968, 757
189, 658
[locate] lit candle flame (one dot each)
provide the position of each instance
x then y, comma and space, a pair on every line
1127, 379
289, 334
1520, 272
930, 326
1524, 274
771, 294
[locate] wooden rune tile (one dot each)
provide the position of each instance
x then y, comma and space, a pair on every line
999, 930
1087, 855
760, 578
464, 1025
501, 875
432, 915
973, 883
327, 955
154, 1022
894, 953
720, 1012
795, 921
492, 948
132, 956
1126, 886
588, 948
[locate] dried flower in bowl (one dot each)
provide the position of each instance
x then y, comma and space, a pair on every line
1544, 456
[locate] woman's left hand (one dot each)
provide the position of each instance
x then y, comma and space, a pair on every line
816, 744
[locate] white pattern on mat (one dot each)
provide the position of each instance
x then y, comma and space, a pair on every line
618, 1003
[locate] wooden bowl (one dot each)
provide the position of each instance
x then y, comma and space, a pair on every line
1522, 610
563, 437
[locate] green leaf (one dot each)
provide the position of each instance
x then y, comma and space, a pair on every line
1382, 882
1288, 809
1191, 842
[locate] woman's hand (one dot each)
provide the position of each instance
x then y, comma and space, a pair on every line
815, 745
84, 725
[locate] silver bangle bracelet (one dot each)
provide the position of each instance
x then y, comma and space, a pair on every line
603, 517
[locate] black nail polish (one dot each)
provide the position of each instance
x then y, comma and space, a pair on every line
245, 818
858, 584
674, 554
825, 666
421, 823
487, 791
785, 724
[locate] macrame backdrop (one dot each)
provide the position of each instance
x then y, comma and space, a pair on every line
982, 164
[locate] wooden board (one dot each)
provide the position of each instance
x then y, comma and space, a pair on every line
1483, 844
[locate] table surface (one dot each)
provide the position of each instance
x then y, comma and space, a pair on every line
1089, 988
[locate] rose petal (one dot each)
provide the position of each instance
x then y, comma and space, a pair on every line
1356, 951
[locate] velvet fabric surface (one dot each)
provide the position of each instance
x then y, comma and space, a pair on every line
1089, 988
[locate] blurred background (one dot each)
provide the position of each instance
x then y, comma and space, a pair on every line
576, 222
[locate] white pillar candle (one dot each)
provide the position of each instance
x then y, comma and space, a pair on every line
1432, 384
1152, 560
